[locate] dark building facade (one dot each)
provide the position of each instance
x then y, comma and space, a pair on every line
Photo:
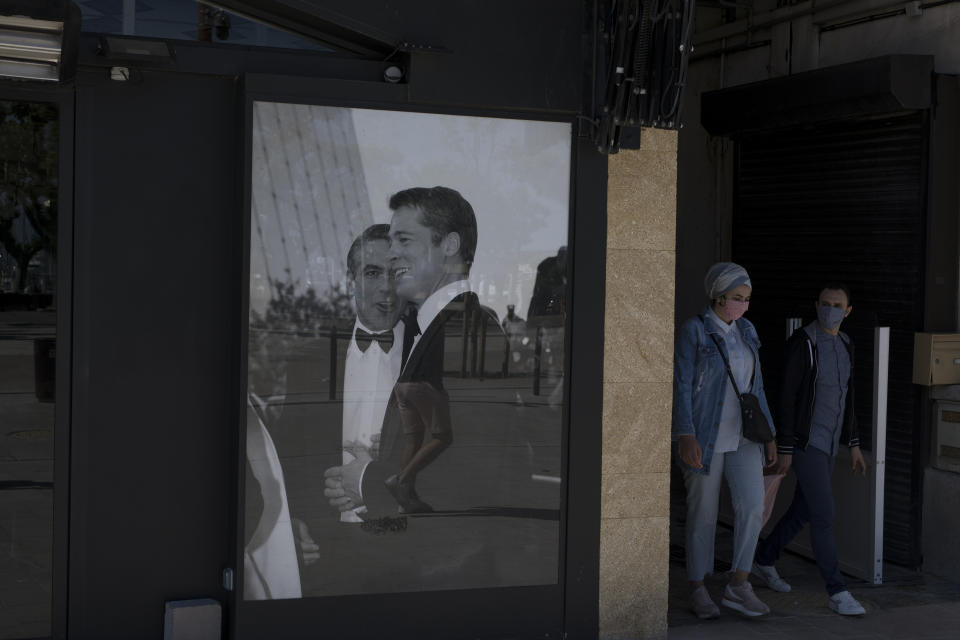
154, 256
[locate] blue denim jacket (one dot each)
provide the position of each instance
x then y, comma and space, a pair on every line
700, 378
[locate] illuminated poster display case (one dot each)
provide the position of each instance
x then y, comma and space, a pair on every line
406, 339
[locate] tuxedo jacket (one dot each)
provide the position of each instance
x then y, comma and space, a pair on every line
488, 441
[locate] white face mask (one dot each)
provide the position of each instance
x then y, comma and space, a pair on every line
830, 317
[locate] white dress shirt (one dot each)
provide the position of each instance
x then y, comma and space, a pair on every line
368, 381
740, 355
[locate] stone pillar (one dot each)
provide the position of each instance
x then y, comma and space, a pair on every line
637, 389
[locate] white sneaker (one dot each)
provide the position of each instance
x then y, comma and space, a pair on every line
770, 578
846, 605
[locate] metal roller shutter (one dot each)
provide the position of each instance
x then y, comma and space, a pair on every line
845, 201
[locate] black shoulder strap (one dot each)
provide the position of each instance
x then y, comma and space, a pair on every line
726, 362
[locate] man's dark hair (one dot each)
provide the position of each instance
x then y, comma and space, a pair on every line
442, 210
375, 232
836, 286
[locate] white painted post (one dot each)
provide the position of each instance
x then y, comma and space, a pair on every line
881, 363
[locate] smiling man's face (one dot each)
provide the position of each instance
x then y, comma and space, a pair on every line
419, 266
373, 290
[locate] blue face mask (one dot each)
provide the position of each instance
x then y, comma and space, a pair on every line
830, 317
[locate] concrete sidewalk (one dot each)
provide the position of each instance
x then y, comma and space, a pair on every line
908, 605
920, 622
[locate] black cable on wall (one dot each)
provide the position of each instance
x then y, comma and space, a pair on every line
645, 50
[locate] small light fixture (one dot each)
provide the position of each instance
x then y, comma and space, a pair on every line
121, 48
393, 74
119, 74
38, 40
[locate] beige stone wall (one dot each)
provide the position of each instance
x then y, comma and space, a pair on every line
637, 387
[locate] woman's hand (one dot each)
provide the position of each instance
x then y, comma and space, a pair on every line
770, 453
690, 452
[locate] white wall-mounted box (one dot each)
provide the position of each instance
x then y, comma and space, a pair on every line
936, 358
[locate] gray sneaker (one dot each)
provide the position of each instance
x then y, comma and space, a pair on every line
703, 605
846, 605
769, 577
741, 598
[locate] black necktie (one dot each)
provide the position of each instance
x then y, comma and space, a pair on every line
364, 339
411, 329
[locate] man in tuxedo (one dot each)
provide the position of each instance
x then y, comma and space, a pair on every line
369, 371
373, 355
433, 238
482, 520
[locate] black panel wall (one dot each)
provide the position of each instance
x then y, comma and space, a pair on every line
156, 276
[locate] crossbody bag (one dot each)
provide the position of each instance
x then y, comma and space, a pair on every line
756, 427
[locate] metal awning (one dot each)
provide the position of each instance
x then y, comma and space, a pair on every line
879, 85
309, 19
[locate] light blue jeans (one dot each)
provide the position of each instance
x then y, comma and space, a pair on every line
743, 470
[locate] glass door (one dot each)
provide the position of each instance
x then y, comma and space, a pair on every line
29, 217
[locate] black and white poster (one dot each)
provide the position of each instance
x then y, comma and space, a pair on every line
408, 282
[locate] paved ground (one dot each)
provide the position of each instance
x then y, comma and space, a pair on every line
909, 605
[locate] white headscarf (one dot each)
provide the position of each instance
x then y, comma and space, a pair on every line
724, 276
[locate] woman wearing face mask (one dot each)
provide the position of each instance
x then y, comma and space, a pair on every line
707, 427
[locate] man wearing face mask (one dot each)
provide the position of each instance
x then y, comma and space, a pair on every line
816, 415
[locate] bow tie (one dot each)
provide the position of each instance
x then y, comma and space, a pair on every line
365, 338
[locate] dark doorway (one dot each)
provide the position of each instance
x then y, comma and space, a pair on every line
844, 201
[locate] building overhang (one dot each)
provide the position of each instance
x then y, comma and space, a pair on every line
309, 19
878, 85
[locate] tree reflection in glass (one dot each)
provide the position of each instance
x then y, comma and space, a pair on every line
29, 139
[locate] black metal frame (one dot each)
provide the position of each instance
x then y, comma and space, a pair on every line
63, 97
585, 331
576, 593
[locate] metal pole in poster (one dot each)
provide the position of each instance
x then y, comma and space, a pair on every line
881, 364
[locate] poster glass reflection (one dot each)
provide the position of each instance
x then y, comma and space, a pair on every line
405, 383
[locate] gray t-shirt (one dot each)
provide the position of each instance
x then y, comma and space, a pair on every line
831, 398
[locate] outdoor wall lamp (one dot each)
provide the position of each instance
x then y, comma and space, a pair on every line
38, 39
127, 49
129, 54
